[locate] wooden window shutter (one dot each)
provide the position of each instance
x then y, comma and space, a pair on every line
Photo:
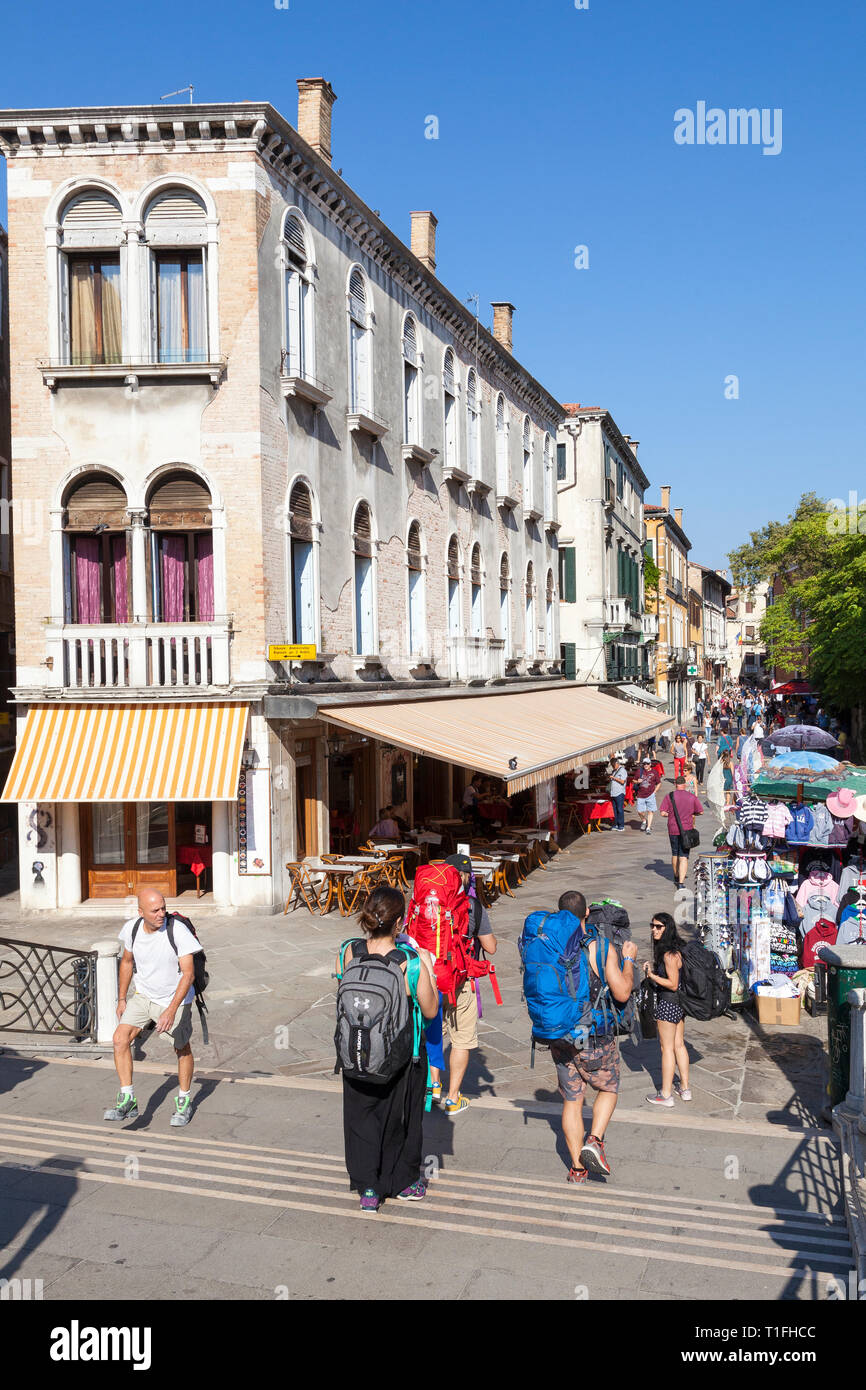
471, 391
527, 436
475, 565
92, 219
180, 501
176, 218
453, 559
448, 373
363, 532
569, 656
500, 414
301, 513
410, 341
413, 547
296, 243
358, 298
568, 574
551, 587
504, 572
98, 501
530, 580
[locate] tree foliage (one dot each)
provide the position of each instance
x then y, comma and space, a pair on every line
651, 573
818, 621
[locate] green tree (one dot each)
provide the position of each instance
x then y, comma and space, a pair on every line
818, 621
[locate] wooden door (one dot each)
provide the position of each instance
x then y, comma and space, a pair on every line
306, 809
127, 845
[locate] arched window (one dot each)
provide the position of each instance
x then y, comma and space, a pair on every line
472, 412
454, 623
415, 566
96, 551
181, 550
302, 561
527, 466
549, 486
365, 602
550, 599
359, 344
530, 635
411, 383
299, 348
501, 448
175, 230
449, 396
505, 602
90, 285
476, 606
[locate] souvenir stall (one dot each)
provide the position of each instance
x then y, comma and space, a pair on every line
788, 874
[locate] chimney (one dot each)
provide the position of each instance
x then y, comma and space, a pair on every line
666, 498
632, 443
423, 242
315, 99
678, 516
502, 313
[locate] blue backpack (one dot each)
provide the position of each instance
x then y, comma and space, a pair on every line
566, 1001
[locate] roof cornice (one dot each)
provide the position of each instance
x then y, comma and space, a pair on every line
259, 128
614, 434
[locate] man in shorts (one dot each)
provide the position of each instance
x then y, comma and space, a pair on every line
461, 1018
687, 807
645, 794
596, 1066
164, 995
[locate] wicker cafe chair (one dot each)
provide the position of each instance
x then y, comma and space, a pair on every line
302, 888
358, 887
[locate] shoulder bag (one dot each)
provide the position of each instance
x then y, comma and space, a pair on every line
689, 839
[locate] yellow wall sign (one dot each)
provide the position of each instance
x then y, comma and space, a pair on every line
292, 653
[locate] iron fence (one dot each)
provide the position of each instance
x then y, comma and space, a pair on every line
47, 989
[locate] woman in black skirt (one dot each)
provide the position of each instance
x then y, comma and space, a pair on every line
665, 975
382, 1123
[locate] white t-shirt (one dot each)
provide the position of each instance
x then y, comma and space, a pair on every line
156, 966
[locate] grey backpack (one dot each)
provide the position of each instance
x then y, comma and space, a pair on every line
378, 1025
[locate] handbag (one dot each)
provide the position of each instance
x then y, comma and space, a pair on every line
689, 839
646, 996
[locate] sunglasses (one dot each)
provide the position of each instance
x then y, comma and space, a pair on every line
657, 926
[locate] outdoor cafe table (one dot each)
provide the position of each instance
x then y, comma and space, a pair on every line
334, 876
594, 811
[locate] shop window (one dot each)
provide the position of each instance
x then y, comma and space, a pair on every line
96, 559
303, 565
365, 607
175, 231
90, 290
181, 558
415, 566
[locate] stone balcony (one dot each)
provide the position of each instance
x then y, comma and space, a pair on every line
476, 658
138, 656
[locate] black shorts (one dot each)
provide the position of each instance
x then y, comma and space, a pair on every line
678, 850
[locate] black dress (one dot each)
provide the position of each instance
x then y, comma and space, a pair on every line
382, 1129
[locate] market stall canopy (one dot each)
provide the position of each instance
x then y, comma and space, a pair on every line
524, 737
791, 688
634, 692
780, 784
798, 737
787, 761
111, 752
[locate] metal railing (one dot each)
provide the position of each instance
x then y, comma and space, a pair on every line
47, 989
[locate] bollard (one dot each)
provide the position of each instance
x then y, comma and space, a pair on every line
106, 988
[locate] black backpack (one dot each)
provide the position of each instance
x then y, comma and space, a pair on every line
705, 989
611, 919
201, 978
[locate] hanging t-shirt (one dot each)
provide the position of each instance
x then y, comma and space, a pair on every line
778, 820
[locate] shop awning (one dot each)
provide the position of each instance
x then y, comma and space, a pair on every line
544, 732
635, 692
171, 752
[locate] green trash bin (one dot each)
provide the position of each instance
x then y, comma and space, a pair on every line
846, 970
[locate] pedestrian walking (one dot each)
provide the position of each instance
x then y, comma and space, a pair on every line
700, 753
679, 809
158, 948
616, 792
597, 1065
461, 1020
664, 972
680, 752
384, 991
645, 794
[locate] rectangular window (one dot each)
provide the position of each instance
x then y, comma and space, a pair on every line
94, 310
182, 577
303, 614
560, 463
568, 574
180, 307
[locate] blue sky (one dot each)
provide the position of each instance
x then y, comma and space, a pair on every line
556, 130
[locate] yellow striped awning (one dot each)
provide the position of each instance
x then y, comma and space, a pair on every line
118, 752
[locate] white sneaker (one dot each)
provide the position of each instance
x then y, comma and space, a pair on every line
667, 1101
683, 1095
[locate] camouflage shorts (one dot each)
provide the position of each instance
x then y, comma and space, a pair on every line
596, 1066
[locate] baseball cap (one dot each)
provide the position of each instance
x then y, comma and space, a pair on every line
647, 762
462, 863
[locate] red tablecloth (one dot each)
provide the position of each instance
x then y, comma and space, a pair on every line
198, 857
494, 810
594, 810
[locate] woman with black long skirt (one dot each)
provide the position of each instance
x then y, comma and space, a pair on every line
382, 1124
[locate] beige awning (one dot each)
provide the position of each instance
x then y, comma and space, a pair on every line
544, 732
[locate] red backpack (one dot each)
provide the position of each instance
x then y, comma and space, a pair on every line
438, 918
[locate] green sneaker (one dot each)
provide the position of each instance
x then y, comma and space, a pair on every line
125, 1108
182, 1110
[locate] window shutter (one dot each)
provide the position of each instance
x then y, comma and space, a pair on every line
471, 391
527, 436
530, 581
504, 573
568, 570
301, 513
568, 651
176, 218
560, 463
98, 501
181, 500
448, 373
358, 298
500, 414
92, 219
413, 547
453, 559
296, 243
551, 587
410, 341
363, 533
475, 566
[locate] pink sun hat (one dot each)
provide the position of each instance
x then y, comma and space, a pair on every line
842, 803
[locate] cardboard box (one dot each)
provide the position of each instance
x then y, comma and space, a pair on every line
777, 1010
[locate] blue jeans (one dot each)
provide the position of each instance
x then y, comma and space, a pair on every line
619, 811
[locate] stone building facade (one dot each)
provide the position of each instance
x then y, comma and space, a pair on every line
247, 415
